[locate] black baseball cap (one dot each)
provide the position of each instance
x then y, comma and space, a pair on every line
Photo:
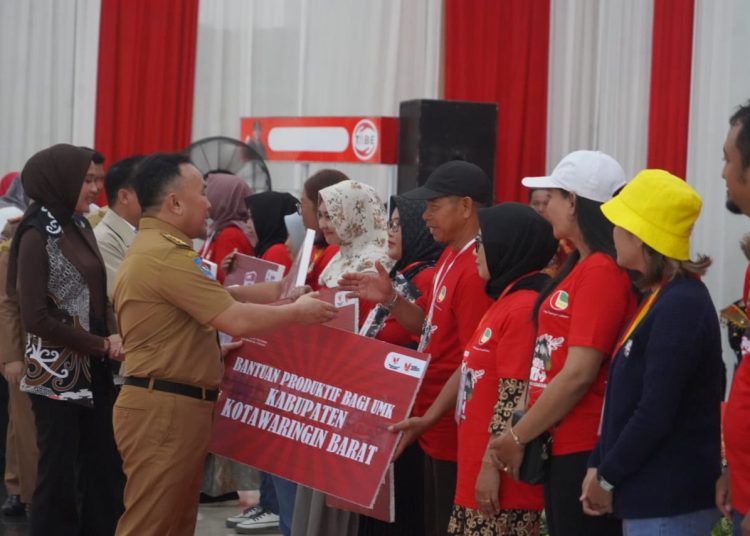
456, 177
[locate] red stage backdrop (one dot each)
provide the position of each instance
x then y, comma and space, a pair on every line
497, 51
669, 112
312, 404
146, 73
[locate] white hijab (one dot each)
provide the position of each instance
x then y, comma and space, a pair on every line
358, 216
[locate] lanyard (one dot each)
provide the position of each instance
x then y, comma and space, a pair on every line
642, 311
438, 281
206, 245
440, 276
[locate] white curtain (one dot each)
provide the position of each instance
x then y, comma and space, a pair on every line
313, 57
720, 82
48, 60
599, 78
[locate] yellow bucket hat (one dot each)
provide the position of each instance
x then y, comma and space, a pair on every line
658, 208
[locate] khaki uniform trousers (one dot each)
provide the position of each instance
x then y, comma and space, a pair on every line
21, 454
163, 439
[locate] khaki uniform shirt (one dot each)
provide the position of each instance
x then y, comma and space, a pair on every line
12, 336
164, 302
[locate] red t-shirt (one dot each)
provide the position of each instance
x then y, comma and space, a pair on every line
501, 347
278, 254
227, 240
392, 331
320, 258
588, 308
460, 302
737, 433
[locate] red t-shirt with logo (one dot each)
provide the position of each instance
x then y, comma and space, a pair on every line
460, 302
737, 433
588, 308
501, 347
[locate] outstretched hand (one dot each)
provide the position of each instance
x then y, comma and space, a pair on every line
373, 287
311, 310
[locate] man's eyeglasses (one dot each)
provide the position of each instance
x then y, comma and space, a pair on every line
478, 242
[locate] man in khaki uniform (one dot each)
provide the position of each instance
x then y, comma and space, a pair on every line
168, 310
21, 454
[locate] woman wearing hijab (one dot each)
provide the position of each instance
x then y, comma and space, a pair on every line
59, 276
229, 230
267, 211
415, 251
351, 216
514, 246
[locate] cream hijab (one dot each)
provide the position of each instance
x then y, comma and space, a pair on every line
358, 215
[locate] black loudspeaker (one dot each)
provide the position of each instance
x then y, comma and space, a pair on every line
432, 132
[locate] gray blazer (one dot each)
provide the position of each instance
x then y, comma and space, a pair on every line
114, 236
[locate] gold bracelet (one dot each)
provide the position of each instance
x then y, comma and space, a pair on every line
515, 437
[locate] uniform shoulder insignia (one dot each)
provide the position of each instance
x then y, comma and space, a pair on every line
5, 245
176, 240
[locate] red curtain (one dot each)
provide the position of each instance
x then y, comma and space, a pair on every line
497, 51
669, 111
145, 79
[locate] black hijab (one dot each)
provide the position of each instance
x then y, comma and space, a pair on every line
267, 209
517, 241
417, 244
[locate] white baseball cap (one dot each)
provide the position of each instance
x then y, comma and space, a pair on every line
590, 174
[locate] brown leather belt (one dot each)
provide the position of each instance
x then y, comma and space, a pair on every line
173, 387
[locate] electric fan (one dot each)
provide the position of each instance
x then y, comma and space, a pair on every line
220, 154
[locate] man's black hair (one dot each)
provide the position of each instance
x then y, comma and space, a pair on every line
120, 175
154, 175
742, 118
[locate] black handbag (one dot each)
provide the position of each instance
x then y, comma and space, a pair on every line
536, 453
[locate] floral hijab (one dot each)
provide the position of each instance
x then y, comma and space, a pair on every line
358, 215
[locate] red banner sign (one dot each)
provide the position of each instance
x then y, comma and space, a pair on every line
312, 404
360, 140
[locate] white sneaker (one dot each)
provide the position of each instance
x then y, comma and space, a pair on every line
246, 514
263, 521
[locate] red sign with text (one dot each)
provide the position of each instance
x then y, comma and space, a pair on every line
359, 140
312, 404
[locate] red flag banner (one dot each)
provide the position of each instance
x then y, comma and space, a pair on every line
312, 404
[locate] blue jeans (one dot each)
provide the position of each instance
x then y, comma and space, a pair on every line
268, 500
698, 523
286, 492
736, 523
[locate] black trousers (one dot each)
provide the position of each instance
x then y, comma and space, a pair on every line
562, 506
439, 492
80, 480
408, 488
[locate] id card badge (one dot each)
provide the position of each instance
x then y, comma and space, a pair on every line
426, 335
